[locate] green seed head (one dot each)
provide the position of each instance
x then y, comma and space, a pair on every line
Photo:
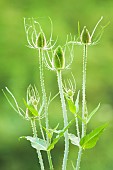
85, 36
58, 58
41, 40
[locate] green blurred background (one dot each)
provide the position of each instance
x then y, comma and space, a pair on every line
19, 68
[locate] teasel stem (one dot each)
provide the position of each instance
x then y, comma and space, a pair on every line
60, 85
77, 128
44, 99
33, 125
84, 125
41, 129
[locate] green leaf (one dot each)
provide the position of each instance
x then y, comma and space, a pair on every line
71, 105
37, 143
74, 139
55, 140
90, 140
31, 109
92, 113
74, 108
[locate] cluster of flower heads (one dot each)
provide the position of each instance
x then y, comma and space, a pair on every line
37, 40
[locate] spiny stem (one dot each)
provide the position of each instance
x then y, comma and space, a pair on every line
79, 158
40, 125
40, 159
33, 125
60, 85
44, 99
77, 128
50, 160
83, 103
84, 90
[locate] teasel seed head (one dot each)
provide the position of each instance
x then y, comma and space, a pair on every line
59, 59
41, 40
85, 36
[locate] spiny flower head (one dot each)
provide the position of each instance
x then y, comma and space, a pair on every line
37, 39
61, 58
41, 40
85, 36
58, 59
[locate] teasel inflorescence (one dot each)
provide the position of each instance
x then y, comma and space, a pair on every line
36, 38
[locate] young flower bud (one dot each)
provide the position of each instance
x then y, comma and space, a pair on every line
41, 40
70, 93
85, 36
58, 58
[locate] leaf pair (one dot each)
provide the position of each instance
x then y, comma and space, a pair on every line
90, 140
74, 108
40, 144
50, 132
55, 140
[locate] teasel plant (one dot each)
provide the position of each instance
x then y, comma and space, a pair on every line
32, 114
58, 64
37, 40
84, 140
36, 107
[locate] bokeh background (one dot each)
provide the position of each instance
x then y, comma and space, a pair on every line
19, 68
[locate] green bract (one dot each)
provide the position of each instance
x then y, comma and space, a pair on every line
30, 110
41, 40
58, 58
85, 36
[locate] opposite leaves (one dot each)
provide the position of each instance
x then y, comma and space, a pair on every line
55, 140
